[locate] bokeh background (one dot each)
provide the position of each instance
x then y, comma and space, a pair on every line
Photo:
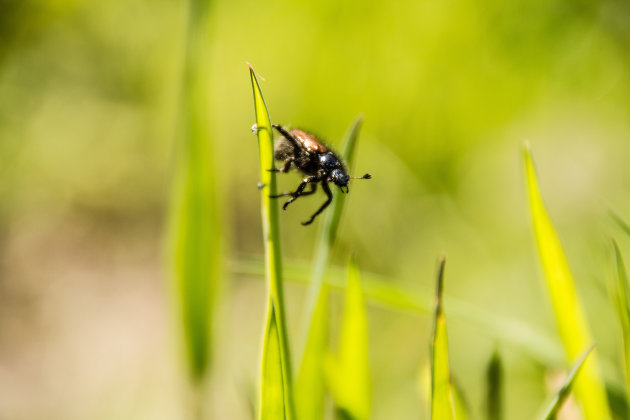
90, 94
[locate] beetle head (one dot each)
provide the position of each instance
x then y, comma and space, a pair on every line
340, 178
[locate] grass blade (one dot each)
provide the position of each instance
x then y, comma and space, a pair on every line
567, 306
494, 381
330, 225
348, 374
310, 385
552, 411
273, 385
623, 308
441, 396
194, 225
460, 407
273, 265
310, 390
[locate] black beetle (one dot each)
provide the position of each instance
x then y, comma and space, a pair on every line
315, 160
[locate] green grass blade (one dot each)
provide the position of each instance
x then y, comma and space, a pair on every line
552, 411
567, 306
310, 386
273, 259
623, 308
330, 225
310, 389
441, 396
494, 382
460, 408
194, 224
273, 384
348, 374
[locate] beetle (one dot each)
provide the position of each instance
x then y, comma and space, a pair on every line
315, 160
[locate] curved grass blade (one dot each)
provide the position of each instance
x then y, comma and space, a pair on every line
310, 386
273, 266
494, 382
623, 308
567, 306
441, 397
194, 224
348, 374
552, 411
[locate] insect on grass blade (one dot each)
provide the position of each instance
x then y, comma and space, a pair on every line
276, 360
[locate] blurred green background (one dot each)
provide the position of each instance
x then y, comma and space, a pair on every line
90, 94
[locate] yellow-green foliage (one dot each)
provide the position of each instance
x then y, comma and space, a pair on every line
442, 407
570, 318
348, 373
556, 404
623, 309
195, 228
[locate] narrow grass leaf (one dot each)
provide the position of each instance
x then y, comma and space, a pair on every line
273, 384
330, 225
623, 309
461, 410
194, 224
567, 306
273, 255
494, 388
441, 396
310, 390
348, 374
310, 386
552, 411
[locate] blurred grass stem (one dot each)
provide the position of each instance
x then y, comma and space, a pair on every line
194, 231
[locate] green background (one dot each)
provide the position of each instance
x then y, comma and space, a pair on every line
449, 90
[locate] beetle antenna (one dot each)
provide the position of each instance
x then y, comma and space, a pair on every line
366, 176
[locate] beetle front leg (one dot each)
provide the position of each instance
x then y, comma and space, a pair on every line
326, 203
299, 192
285, 168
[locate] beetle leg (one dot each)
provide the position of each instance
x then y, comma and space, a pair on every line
297, 146
326, 203
299, 192
285, 168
